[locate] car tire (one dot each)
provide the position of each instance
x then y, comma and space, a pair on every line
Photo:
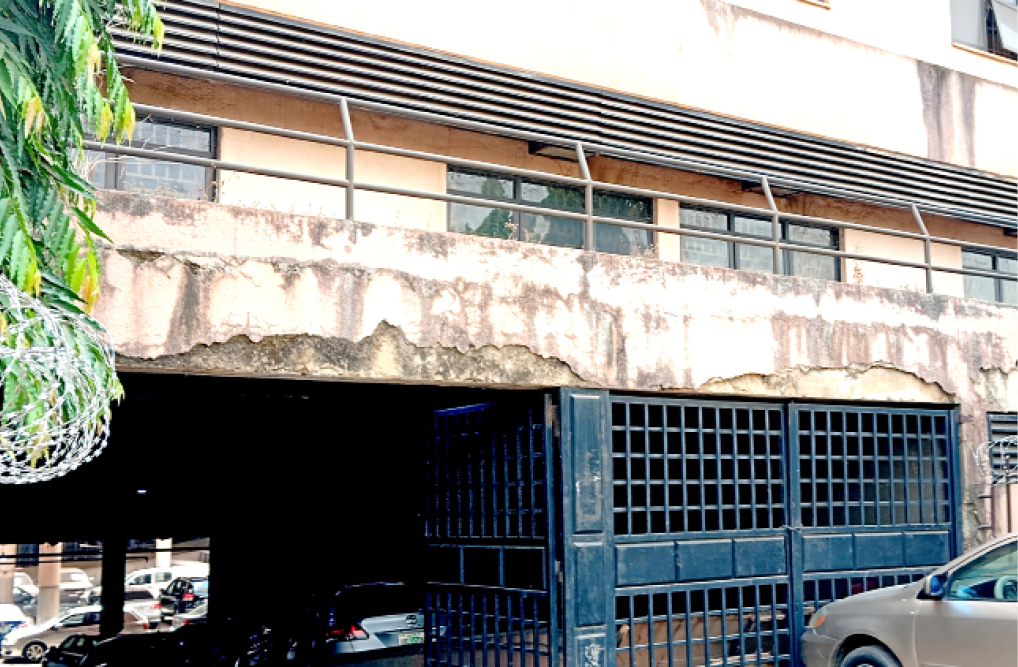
33, 651
870, 656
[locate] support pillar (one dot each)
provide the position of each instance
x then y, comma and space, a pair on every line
8, 552
164, 558
49, 582
114, 569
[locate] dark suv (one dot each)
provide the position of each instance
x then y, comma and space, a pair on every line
183, 594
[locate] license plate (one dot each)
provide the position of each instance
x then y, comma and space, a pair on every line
407, 638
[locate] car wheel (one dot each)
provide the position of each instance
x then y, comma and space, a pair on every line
870, 656
34, 651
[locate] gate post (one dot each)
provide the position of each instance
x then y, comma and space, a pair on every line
588, 560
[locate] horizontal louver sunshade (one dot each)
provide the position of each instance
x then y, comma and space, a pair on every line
263, 47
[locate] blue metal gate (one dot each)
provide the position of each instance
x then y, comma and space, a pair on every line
705, 532
490, 527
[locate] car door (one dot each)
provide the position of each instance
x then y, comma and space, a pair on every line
976, 622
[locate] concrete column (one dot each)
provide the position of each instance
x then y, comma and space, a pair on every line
114, 570
49, 582
7, 552
163, 558
666, 214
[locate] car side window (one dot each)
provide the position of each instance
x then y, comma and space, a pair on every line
73, 621
144, 579
992, 576
163, 576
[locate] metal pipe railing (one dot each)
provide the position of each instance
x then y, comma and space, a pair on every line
649, 157
587, 217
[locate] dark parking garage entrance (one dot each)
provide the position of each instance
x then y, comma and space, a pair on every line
566, 527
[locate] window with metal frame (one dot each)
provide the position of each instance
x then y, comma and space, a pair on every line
734, 255
568, 232
987, 25
1001, 290
158, 177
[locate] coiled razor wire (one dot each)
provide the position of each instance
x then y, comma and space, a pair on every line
57, 381
998, 460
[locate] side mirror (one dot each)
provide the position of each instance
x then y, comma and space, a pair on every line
933, 589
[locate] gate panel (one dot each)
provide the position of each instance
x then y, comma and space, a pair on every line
876, 490
731, 522
490, 598
701, 533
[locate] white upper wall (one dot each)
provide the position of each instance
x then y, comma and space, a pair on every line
879, 73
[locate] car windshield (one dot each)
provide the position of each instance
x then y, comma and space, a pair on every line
75, 577
201, 587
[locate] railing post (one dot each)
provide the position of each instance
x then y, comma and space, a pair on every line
775, 224
927, 249
588, 199
344, 111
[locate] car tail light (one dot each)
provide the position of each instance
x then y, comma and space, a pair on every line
349, 633
188, 597
144, 624
157, 605
185, 621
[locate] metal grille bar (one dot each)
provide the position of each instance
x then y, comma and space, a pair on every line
744, 622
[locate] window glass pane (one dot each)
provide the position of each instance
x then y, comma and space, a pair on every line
753, 226
705, 251
166, 179
552, 231
977, 287
1009, 292
553, 196
978, 579
820, 236
808, 265
481, 220
1007, 264
622, 206
621, 241
754, 258
486, 185
691, 217
160, 134
976, 260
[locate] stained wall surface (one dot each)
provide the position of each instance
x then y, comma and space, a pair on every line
880, 73
207, 288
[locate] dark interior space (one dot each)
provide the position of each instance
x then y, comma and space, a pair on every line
301, 486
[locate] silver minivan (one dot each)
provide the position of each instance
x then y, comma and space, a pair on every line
964, 614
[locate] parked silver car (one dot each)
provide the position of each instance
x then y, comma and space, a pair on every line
964, 614
33, 641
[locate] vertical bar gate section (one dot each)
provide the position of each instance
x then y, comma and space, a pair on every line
877, 495
490, 595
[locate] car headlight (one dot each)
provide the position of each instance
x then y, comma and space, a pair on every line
818, 618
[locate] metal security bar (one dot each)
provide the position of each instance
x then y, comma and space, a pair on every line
351, 185
743, 622
696, 467
822, 588
871, 468
490, 594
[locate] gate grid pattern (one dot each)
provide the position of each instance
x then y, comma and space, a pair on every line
489, 519
734, 521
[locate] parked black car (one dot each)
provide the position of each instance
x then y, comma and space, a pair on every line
182, 595
70, 652
130, 651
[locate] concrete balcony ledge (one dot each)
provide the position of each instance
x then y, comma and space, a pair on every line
202, 287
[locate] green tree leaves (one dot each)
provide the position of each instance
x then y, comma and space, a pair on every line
58, 77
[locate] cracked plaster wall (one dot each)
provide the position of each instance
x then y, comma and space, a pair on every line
198, 287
